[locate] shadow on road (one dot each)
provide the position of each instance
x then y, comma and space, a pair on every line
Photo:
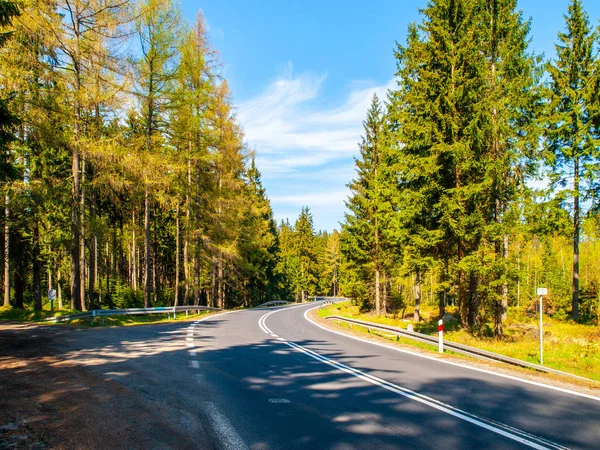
136, 387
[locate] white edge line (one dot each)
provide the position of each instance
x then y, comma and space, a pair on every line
421, 399
452, 363
519, 435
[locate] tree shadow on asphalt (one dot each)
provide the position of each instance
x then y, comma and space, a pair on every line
274, 395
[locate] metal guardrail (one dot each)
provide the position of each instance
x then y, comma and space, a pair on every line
92, 314
273, 303
456, 348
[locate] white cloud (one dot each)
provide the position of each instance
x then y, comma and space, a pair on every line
290, 130
305, 150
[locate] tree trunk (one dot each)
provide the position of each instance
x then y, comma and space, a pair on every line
37, 268
176, 303
59, 289
6, 252
505, 284
134, 270
75, 237
575, 300
377, 299
385, 294
147, 273
417, 313
213, 294
221, 294
93, 252
82, 236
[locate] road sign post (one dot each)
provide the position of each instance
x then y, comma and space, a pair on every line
541, 292
51, 297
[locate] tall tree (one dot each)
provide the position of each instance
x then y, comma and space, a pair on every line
572, 133
158, 27
365, 221
8, 121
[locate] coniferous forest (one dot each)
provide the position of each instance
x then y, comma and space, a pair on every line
127, 181
477, 175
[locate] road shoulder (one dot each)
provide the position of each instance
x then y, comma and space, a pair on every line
583, 387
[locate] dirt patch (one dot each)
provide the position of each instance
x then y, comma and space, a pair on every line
46, 402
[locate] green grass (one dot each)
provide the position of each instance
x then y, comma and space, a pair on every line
29, 315
568, 346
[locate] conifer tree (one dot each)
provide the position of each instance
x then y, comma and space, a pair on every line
365, 222
306, 255
572, 133
157, 25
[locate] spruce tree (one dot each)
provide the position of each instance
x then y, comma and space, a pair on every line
365, 222
572, 134
305, 253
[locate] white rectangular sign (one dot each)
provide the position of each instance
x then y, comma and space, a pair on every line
542, 291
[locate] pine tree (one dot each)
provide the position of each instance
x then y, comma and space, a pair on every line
305, 252
8, 121
572, 135
365, 222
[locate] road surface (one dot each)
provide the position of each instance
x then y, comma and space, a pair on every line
271, 379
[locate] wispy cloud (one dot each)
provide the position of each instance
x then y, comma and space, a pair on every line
291, 130
305, 147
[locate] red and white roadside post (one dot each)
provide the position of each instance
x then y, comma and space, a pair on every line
441, 336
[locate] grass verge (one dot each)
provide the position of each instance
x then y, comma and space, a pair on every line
569, 347
29, 315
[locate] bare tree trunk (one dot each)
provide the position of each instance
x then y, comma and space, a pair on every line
385, 294
6, 251
377, 299
417, 313
93, 252
59, 289
377, 289
186, 266
213, 294
505, 284
147, 274
82, 235
221, 294
37, 268
75, 236
176, 303
134, 276
575, 300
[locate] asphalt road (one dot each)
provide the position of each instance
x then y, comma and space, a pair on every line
270, 379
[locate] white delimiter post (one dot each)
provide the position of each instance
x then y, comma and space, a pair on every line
441, 336
541, 334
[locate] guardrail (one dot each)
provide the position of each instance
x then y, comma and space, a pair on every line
456, 348
92, 314
273, 303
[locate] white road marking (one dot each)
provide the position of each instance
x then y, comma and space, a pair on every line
189, 339
452, 363
192, 352
499, 428
228, 437
190, 344
278, 400
194, 364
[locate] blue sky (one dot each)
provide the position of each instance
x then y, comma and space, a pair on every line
302, 74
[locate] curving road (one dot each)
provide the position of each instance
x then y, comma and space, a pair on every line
271, 379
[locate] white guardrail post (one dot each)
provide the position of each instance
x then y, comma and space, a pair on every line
441, 336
